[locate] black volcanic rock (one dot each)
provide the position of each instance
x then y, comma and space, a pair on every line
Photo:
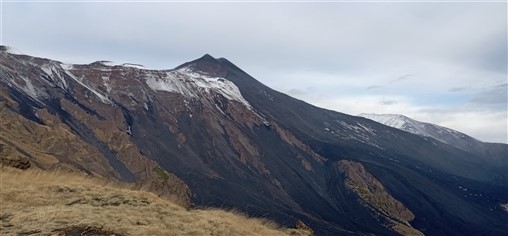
207, 65
239, 144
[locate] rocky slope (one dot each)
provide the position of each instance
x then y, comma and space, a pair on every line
65, 135
208, 133
371, 192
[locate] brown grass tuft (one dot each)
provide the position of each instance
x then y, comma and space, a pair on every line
41, 203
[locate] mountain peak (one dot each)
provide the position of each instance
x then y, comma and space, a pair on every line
206, 64
206, 57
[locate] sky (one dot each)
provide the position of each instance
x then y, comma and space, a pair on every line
444, 63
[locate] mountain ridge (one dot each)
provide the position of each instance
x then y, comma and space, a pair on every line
443, 134
410, 125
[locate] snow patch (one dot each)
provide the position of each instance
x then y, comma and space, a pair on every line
103, 98
55, 74
137, 66
192, 84
108, 63
359, 132
47, 69
30, 89
105, 80
67, 66
396, 121
132, 65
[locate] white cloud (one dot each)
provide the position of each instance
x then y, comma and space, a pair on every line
486, 126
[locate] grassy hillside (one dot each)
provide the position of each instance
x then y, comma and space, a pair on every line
40, 203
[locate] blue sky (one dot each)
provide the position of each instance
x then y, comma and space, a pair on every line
444, 63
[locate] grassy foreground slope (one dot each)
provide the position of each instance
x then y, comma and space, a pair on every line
41, 203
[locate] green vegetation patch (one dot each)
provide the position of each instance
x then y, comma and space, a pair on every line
161, 174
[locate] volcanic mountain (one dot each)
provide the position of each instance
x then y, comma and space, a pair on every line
209, 134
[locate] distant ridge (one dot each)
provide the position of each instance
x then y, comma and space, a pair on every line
446, 135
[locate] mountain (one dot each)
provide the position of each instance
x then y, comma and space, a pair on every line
209, 134
496, 151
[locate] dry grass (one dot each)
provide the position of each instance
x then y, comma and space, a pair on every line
41, 203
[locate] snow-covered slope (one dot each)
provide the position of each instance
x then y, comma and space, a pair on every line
440, 133
194, 84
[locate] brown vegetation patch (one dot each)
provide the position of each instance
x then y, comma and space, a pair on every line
373, 195
302, 226
48, 203
85, 230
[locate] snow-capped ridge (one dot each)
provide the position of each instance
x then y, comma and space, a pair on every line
202, 79
440, 133
393, 120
